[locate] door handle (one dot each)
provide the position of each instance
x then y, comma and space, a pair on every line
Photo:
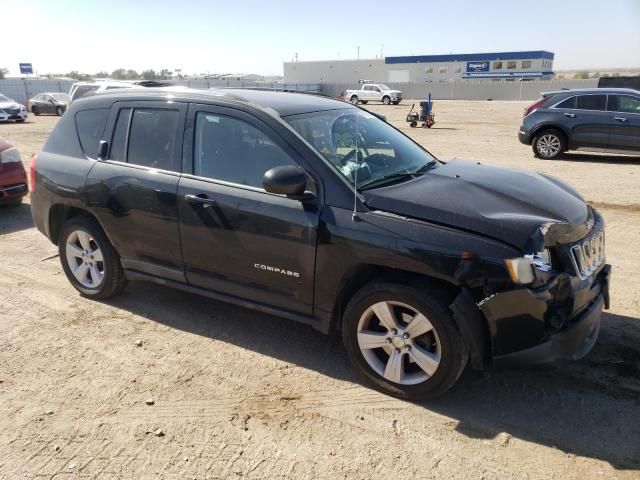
620, 119
200, 199
570, 115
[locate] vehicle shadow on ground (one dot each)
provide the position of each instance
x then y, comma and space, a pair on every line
578, 408
592, 158
15, 219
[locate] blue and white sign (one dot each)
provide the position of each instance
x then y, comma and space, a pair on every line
477, 66
26, 68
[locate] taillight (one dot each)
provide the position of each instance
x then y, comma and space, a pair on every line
533, 106
32, 173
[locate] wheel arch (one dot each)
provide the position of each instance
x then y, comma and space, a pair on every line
59, 214
551, 126
469, 319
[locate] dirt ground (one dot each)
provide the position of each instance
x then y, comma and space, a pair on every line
241, 394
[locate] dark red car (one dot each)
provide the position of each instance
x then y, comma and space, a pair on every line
13, 178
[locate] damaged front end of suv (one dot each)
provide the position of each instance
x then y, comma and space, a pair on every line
552, 310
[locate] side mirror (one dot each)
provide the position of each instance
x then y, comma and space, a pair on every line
103, 149
287, 180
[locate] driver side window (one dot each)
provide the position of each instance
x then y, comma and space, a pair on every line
232, 150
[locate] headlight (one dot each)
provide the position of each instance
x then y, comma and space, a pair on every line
10, 155
521, 269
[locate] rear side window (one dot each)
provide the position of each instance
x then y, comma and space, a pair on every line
568, 103
591, 102
90, 125
146, 136
83, 90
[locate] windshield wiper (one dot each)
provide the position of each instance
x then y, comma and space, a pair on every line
425, 167
385, 179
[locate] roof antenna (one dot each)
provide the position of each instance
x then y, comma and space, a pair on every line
354, 215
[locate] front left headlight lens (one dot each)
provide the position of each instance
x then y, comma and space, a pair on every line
521, 269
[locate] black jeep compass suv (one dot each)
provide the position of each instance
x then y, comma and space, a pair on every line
318, 211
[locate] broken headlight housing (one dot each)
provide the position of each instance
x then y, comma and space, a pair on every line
521, 269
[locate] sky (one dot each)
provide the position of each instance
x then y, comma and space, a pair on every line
250, 36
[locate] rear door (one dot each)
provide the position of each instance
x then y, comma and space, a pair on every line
238, 239
588, 121
624, 112
133, 191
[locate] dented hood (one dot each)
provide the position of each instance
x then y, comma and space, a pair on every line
524, 209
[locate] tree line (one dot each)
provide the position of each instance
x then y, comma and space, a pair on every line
118, 74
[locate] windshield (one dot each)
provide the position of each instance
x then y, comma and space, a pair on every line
61, 97
383, 87
4, 99
360, 145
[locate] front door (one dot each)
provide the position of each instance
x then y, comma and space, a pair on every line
238, 239
624, 111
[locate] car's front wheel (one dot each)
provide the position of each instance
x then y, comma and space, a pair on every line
386, 100
354, 99
404, 340
549, 144
59, 111
89, 260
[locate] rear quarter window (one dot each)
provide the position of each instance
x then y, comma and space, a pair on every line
90, 126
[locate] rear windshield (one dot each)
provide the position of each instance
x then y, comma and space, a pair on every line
82, 90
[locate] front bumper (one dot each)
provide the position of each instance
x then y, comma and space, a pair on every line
530, 326
20, 115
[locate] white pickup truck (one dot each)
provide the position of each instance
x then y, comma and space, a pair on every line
374, 92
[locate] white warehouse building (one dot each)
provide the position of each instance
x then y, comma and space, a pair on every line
536, 64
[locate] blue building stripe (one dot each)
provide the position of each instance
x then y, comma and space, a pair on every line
472, 57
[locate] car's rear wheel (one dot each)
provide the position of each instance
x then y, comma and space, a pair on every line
549, 144
89, 260
354, 99
404, 340
386, 100
364, 102
59, 111
35, 111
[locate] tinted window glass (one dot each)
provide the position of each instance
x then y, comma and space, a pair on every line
119, 139
624, 103
152, 137
90, 125
591, 102
234, 151
568, 103
83, 90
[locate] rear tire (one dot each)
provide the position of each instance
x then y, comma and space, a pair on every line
35, 111
549, 144
354, 99
386, 100
364, 102
89, 260
416, 363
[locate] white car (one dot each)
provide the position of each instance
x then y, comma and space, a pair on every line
374, 92
10, 110
80, 89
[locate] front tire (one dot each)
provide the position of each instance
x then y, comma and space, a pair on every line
549, 144
403, 340
89, 260
354, 99
386, 100
59, 111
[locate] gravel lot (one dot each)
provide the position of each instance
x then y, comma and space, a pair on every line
241, 394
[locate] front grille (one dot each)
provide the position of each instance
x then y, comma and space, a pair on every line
588, 254
12, 111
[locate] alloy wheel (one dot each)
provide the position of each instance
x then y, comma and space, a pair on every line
399, 343
85, 259
548, 145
